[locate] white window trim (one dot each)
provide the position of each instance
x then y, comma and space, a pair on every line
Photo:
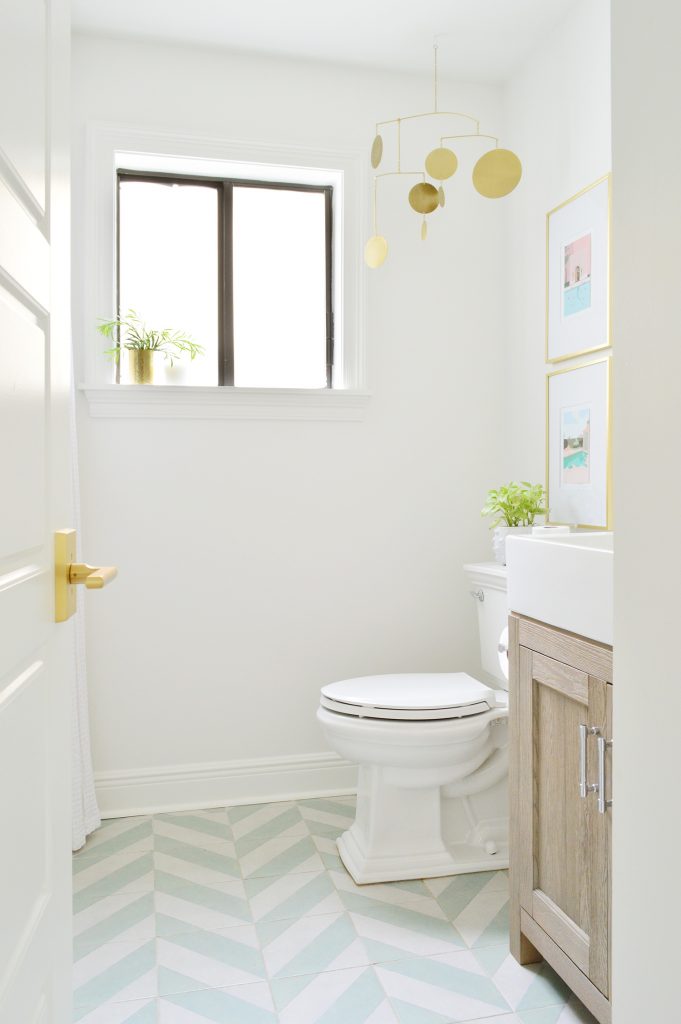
109, 146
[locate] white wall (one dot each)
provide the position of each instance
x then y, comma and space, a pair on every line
557, 112
261, 559
647, 707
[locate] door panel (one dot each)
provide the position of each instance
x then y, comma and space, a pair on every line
23, 83
36, 655
24, 250
23, 748
564, 883
22, 417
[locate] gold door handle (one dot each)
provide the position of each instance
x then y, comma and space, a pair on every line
94, 578
68, 573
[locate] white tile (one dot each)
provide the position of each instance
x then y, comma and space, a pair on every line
103, 873
217, 1005
311, 945
199, 873
209, 966
117, 1013
472, 922
319, 994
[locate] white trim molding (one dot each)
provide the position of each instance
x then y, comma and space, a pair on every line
223, 783
140, 401
110, 146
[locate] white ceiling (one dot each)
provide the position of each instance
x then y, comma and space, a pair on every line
478, 40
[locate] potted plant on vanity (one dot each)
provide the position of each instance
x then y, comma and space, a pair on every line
143, 343
515, 508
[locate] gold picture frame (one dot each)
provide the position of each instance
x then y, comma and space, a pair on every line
577, 487
571, 318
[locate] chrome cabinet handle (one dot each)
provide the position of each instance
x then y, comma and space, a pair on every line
603, 804
584, 787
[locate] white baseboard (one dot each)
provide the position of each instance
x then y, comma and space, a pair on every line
221, 783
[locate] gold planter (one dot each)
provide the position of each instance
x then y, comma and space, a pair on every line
141, 365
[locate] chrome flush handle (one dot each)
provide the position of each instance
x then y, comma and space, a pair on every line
479, 595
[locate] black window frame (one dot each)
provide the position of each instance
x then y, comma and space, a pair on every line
225, 189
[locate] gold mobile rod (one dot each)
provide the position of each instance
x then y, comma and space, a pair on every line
94, 578
428, 113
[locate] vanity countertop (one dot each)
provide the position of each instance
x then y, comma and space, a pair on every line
565, 580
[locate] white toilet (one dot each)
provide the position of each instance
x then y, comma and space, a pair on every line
433, 761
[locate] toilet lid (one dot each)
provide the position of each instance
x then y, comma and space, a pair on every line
414, 697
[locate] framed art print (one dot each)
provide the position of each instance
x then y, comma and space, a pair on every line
578, 445
578, 274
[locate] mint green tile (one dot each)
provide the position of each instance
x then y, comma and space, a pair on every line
113, 882
224, 1006
331, 807
302, 850
198, 823
286, 819
496, 932
118, 923
106, 985
403, 917
547, 989
202, 895
440, 973
220, 862
306, 898
461, 890
356, 1004
546, 1015
409, 1014
316, 957
221, 948
107, 847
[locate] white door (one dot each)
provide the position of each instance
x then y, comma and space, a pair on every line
35, 653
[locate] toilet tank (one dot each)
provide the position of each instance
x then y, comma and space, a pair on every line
487, 584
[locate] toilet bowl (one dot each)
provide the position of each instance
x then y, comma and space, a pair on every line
432, 751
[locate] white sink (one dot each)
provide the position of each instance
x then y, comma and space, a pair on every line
565, 580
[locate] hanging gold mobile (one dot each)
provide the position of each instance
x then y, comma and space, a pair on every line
495, 174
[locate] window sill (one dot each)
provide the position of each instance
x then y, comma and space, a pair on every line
161, 401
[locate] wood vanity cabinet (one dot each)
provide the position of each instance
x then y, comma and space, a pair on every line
561, 726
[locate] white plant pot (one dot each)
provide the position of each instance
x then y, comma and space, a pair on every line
499, 540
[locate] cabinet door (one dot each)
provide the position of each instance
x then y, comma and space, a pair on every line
564, 872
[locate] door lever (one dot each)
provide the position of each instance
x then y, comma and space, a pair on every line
94, 578
68, 573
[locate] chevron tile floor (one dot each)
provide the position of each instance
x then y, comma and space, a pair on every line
246, 915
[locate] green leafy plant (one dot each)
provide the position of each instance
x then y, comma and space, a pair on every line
131, 332
516, 504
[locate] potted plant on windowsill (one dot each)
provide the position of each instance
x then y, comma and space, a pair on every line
515, 508
142, 343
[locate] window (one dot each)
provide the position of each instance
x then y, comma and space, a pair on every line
244, 267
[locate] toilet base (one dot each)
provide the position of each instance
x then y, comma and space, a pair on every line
462, 858
403, 831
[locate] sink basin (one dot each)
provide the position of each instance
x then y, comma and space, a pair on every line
565, 580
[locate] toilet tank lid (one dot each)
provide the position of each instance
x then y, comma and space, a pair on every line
488, 574
423, 691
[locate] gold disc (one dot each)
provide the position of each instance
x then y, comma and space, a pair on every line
497, 173
376, 151
423, 197
441, 196
424, 230
441, 163
375, 251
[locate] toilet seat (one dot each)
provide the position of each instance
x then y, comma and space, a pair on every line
423, 697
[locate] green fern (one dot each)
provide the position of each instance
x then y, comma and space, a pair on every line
130, 332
